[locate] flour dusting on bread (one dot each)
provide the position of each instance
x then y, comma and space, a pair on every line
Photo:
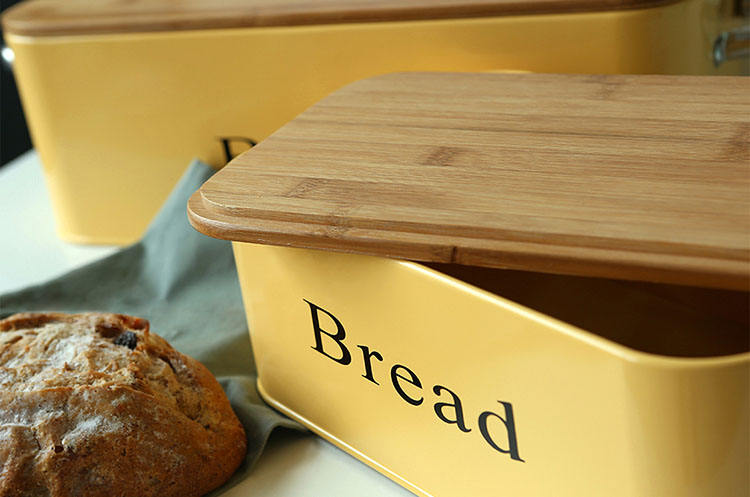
84, 396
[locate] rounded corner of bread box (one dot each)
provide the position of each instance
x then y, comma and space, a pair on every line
341, 444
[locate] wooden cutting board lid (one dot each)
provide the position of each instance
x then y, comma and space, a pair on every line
75, 17
629, 177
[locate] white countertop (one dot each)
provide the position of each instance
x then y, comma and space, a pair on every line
292, 465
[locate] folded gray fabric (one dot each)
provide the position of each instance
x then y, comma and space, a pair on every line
186, 285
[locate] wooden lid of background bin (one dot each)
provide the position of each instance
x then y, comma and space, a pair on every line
69, 17
628, 177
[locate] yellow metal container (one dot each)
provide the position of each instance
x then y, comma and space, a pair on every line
458, 376
589, 416
120, 96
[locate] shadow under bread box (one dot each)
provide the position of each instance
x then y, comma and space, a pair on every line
577, 323
120, 96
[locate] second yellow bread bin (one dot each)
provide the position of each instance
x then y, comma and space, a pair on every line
120, 96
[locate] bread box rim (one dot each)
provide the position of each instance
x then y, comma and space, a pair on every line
86, 17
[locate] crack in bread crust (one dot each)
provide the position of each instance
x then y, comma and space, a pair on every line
111, 409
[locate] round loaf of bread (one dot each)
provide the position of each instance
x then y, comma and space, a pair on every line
95, 405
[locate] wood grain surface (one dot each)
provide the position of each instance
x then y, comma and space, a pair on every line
629, 177
69, 17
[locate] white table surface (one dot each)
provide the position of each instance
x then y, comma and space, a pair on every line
292, 465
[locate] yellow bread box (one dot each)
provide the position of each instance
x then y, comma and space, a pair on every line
578, 322
120, 96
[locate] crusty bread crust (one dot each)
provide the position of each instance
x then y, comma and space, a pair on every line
95, 404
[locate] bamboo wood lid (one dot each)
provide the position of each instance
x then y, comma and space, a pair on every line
76, 17
629, 177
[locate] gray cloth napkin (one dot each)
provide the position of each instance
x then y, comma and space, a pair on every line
186, 285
